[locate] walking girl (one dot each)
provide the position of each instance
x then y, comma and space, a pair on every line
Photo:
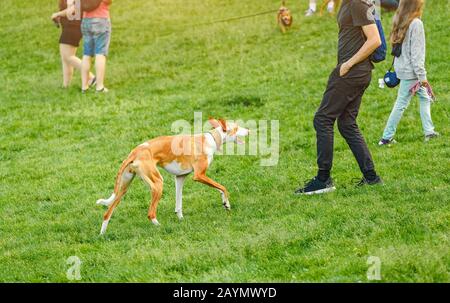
70, 21
408, 31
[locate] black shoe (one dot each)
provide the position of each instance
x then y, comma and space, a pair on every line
315, 186
365, 181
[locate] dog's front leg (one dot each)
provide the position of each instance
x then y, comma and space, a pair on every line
179, 182
200, 176
280, 23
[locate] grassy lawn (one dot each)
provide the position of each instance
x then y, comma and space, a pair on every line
60, 151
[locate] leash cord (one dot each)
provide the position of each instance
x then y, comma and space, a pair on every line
235, 18
219, 21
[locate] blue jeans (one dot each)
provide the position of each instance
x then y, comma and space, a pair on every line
96, 36
403, 99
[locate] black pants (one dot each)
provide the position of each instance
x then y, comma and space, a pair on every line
341, 101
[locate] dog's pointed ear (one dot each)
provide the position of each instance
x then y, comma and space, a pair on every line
223, 123
214, 123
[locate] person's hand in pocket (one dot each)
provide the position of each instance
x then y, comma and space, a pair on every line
344, 69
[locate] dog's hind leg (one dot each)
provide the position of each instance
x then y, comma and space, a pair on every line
126, 176
150, 174
179, 182
124, 182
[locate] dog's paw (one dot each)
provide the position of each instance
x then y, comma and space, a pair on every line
155, 222
104, 226
227, 206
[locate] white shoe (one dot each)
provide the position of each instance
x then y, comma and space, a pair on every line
431, 136
103, 90
386, 142
309, 12
330, 7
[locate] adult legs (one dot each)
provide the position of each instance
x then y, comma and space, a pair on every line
100, 68
85, 70
70, 62
88, 53
350, 131
102, 38
333, 103
341, 101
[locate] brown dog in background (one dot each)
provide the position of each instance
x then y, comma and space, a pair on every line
284, 17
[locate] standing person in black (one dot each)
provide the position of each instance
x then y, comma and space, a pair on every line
358, 39
70, 21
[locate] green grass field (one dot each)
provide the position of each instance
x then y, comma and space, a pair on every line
60, 152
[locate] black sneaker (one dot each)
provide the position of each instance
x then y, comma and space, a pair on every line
365, 181
315, 186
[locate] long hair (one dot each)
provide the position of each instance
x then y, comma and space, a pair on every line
407, 11
62, 4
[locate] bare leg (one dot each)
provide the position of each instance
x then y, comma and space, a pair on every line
85, 69
100, 70
67, 51
70, 62
179, 182
76, 63
67, 73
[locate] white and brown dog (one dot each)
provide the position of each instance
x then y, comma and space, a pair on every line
284, 18
178, 155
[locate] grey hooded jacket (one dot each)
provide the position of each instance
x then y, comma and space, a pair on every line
411, 64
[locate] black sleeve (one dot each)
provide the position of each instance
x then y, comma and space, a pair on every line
362, 12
